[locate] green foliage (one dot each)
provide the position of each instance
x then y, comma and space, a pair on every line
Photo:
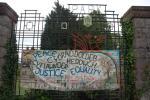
99, 24
53, 36
56, 38
7, 89
99, 30
129, 60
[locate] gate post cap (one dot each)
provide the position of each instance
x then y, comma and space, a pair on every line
5, 9
137, 12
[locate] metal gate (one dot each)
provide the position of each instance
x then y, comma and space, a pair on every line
30, 29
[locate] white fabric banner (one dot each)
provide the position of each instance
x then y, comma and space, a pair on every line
70, 70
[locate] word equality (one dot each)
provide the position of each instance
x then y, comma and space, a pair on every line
86, 70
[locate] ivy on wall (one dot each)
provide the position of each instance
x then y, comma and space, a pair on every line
7, 89
129, 60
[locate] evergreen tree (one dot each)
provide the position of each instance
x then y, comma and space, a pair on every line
99, 25
94, 37
54, 36
9, 70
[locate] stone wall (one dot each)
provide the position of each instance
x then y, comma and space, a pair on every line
141, 46
8, 19
140, 16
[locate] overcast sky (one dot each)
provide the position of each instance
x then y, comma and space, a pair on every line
44, 6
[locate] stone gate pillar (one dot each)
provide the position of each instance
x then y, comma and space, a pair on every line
140, 16
8, 19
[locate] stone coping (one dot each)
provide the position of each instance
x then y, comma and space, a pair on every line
5, 9
137, 12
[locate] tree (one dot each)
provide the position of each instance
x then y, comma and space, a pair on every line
99, 24
54, 36
96, 36
9, 70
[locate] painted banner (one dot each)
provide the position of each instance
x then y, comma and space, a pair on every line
70, 70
